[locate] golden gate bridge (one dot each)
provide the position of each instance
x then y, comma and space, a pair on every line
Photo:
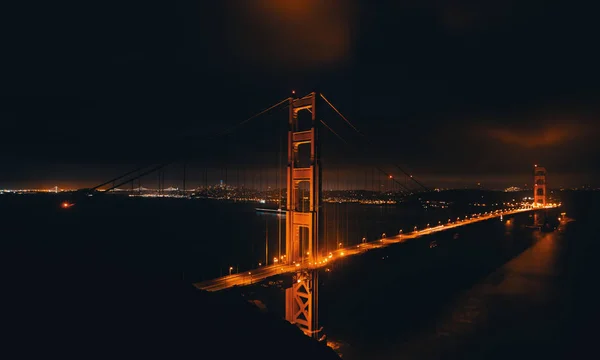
302, 204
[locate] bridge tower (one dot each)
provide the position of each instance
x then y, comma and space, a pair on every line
539, 186
302, 213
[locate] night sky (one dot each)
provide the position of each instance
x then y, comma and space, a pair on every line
457, 92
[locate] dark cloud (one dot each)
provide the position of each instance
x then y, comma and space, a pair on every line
542, 136
546, 129
442, 87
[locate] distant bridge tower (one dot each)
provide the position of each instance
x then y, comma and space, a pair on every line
539, 186
302, 212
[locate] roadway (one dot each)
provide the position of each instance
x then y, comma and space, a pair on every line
249, 277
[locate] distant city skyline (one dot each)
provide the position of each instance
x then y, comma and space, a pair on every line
347, 179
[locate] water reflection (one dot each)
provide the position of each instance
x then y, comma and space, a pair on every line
368, 286
342, 225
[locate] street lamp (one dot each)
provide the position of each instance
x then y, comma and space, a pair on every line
230, 268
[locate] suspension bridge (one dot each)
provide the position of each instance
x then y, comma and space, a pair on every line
296, 196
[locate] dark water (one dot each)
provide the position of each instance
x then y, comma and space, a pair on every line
370, 298
366, 303
410, 300
161, 238
393, 293
184, 239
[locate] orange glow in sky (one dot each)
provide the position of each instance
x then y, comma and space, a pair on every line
551, 135
292, 33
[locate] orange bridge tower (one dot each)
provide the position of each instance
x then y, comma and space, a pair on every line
539, 186
302, 213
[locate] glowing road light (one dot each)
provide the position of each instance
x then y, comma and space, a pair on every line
215, 285
230, 268
391, 177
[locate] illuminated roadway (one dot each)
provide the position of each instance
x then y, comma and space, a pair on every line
261, 273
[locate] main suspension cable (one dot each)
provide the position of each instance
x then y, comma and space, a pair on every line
370, 143
407, 190
218, 134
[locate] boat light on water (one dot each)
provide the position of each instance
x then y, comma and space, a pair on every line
271, 211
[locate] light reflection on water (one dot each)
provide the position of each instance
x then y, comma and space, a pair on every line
347, 224
386, 295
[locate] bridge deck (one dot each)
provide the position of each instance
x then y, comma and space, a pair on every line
253, 276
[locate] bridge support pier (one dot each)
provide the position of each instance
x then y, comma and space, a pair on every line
301, 306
